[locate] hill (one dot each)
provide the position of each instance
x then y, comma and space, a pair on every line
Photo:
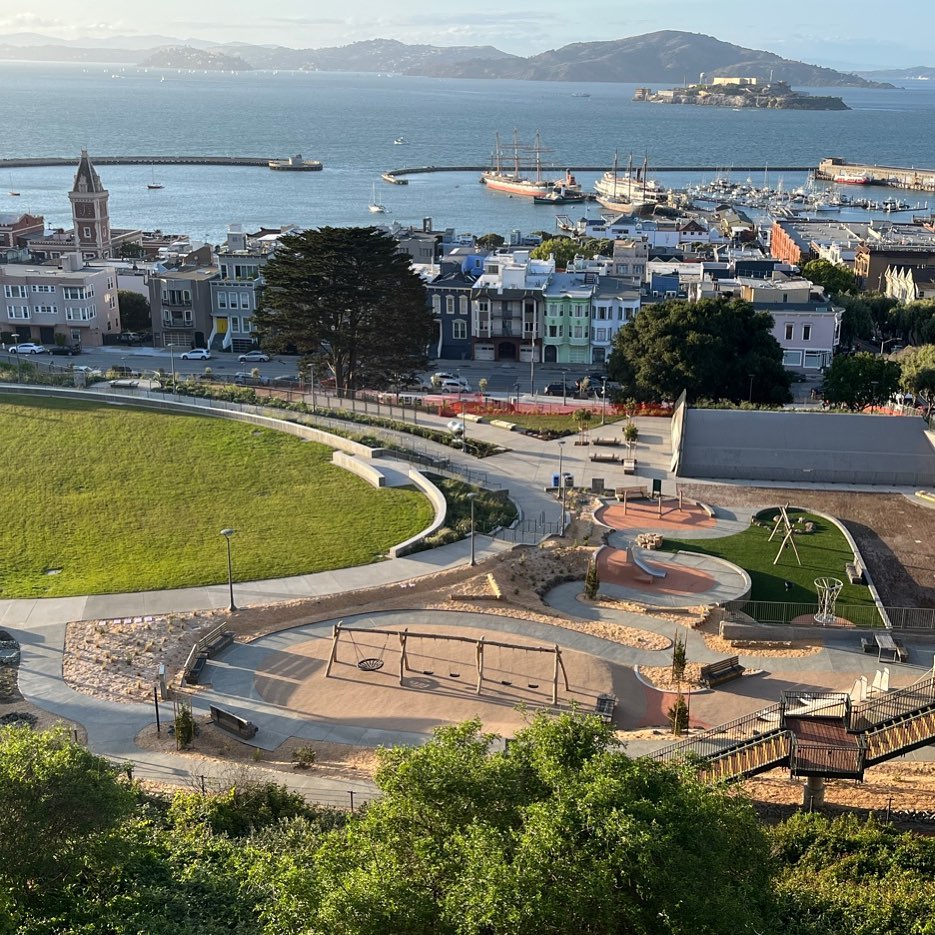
183, 56
925, 72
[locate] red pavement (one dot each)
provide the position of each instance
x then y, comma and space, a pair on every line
641, 515
612, 567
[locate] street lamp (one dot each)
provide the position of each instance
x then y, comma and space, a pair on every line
750, 394
19, 372
472, 497
561, 484
172, 359
227, 533
564, 385
603, 399
873, 398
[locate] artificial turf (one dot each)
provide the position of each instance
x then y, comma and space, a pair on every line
824, 553
102, 499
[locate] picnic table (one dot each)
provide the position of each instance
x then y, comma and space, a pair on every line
886, 645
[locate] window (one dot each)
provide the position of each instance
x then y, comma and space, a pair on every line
235, 325
463, 305
76, 292
529, 327
14, 292
450, 304
437, 304
553, 331
483, 305
84, 314
45, 309
87, 232
245, 300
179, 297
600, 334
459, 330
806, 332
789, 331
577, 331
43, 288
17, 311
507, 327
222, 300
601, 313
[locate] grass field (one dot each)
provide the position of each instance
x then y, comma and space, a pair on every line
824, 553
128, 500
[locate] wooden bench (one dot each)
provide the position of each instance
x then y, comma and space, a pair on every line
219, 643
723, 671
902, 653
609, 457
868, 645
193, 671
232, 723
631, 493
604, 707
629, 465
607, 441
855, 572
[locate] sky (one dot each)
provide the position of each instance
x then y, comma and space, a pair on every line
837, 33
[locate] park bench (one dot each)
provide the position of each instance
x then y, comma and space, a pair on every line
632, 493
195, 668
722, 671
607, 441
855, 572
604, 707
232, 723
902, 652
629, 465
868, 645
607, 456
219, 642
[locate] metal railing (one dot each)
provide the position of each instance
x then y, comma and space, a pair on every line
530, 531
780, 612
805, 703
895, 705
719, 740
824, 759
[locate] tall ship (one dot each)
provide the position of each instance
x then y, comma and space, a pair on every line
630, 191
503, 178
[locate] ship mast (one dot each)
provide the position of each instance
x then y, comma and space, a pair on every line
516, 147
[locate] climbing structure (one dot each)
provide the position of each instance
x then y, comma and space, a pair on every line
815, 734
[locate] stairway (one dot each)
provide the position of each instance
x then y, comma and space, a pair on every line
817, 734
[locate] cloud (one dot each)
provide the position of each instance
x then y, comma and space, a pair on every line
26, 21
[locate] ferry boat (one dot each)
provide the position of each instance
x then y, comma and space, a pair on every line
514, 183
629, 188
295, 164
565, 191
856, 178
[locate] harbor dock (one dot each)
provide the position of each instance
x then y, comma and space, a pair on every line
922, 180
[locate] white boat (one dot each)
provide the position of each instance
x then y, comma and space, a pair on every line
154, 184
502, 179
400, 141
630, 188
375, 207
13, 193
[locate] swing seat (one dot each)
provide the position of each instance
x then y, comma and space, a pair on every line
370, 665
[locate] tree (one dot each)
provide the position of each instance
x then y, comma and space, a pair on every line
135, 313
857, 319
490, 241
592, 581
349, 294
709, 348
630, 432
679, 657
563, 834
58, 802
917, 374
678, 715
565, 249
836, 278
860, 380
582, 419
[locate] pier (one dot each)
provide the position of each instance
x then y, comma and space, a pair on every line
51, 161
561, 167
922, 180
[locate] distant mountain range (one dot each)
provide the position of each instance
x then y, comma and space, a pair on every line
666, 57
925, 72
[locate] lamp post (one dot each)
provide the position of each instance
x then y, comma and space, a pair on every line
750, 393
19, 372
172, 359
561, 485
471, 497
564, 385
227, 533
532, 368
873, 397
603, 399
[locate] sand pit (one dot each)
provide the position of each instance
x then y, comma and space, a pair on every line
439, 687
643, 515
613, 568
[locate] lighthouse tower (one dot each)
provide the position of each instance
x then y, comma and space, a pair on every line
88, 199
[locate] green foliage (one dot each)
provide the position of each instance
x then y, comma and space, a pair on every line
490, 241
679, 657
678, 715
857, 381
857, 320
917, 371
592, 581
630, 432
845, 877
490, 509
565, 249
136, 501
913, 323
59, 803
304, 757
582, 419
836, 278
135, 313
349, 295
708, 348
184, 726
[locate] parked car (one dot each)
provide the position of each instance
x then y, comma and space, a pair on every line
27, 348
254, 357
558, 389
248, 379
290, 381
90, 371
443, 375
454, 386
455, 426
64, 350
199, 353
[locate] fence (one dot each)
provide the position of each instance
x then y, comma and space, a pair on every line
779, 612
530, 531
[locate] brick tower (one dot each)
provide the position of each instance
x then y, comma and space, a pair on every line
88, 199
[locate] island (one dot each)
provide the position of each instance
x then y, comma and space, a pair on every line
189, 59
741, 92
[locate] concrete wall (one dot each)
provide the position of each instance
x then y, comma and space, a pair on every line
373, 476
438, 501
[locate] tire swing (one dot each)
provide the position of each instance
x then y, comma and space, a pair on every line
369, 663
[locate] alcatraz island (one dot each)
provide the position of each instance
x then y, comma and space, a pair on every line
741, 92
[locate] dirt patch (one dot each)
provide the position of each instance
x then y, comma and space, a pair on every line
661, 677
895, 536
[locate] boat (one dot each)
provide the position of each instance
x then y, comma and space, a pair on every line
629, 188
565, 191
393, 179
13, 193
400, 141
581, 94
295, 164
375, 207
514, 183
154, 184
856, 178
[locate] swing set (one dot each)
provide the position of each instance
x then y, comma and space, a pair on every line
482, 649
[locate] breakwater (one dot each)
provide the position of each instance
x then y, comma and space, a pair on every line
922, 180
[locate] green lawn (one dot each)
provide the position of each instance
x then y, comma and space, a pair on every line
123, 499
824, 553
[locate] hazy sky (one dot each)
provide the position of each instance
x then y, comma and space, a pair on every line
836, 32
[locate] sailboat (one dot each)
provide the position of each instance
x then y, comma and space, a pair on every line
154, 184
12, 192
375, 207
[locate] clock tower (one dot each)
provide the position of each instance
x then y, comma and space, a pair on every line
88, 199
